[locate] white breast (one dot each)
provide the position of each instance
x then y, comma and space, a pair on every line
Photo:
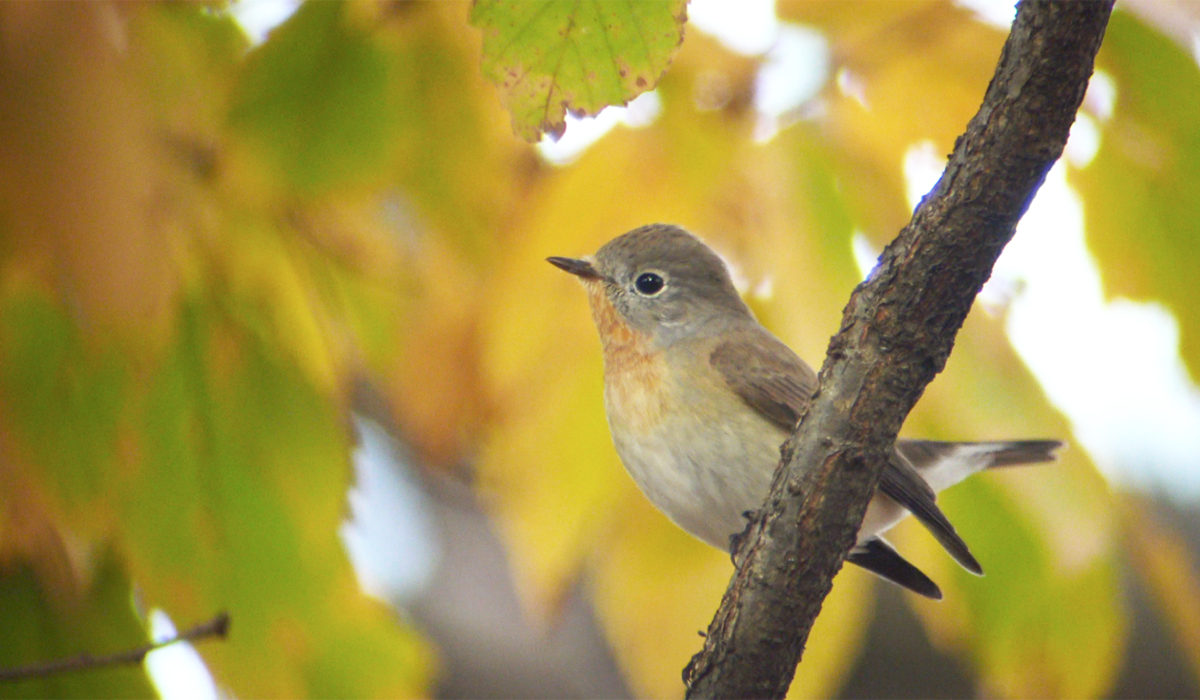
702, 471
704, 457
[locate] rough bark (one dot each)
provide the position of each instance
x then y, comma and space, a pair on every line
896, 333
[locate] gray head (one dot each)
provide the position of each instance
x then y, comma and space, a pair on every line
663, 281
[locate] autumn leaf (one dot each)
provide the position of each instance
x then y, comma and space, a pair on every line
550, 58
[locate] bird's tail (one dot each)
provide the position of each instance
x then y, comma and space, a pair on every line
943, 464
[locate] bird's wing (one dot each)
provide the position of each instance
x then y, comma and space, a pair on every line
902, 483
775, 382
878, 557
766, 374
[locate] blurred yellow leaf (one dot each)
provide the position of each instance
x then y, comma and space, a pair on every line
458, 169
855, 22
462, 174
216, 465
804, 252
906, 72
270, 294
655, 623
655, 587
549, 476
434, 379
342, 138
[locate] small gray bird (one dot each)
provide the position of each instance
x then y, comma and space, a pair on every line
700, 396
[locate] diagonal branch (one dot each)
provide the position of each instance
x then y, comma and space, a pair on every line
897, 331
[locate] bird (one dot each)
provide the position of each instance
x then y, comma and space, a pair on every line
700, 396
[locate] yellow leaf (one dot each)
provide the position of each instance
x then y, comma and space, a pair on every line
549, 476
271, 290
434, 384
654, 588
905, 72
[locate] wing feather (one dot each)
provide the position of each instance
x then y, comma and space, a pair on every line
768, 376
774, 381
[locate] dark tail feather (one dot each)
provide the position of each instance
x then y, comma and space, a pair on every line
878, 557
1000, 453
922, 466
1020, 452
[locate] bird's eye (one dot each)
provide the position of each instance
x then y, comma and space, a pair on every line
649, 284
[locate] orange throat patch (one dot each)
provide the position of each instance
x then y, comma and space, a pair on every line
633, 372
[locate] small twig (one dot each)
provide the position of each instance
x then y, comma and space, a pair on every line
217, 627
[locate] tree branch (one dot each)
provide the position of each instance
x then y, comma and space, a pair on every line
217, 627
897, 331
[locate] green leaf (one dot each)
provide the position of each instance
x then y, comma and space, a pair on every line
316, 98
238, 507
1141, 193
549, 57
65, 401
227, 495
42, 624
452, 141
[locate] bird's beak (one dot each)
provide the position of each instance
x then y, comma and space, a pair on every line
580, 268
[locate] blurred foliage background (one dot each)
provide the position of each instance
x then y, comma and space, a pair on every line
216, 251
